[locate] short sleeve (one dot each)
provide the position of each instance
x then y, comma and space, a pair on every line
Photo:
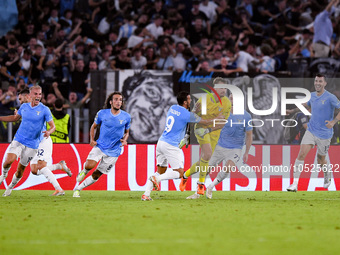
97, 119
194, 118
247, 119
128, 123
48, 115
335, 102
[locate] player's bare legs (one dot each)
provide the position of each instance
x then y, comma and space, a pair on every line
224, 173
41, 168
16, 178
299, 165
89, 164
10, 158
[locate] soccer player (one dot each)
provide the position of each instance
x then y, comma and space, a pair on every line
208, 141
319, 129
167, 150
39, 162
27, 138
234, 134
114, 132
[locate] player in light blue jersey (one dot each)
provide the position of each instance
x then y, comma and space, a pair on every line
167, 150
114, 132
319, 129
234, 135
27, 138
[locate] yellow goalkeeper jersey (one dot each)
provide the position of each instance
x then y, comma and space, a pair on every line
215, 109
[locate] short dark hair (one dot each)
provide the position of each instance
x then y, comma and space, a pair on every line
182, 97
24, 92
320, 75
58, 103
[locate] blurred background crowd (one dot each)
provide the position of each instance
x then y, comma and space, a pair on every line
57, 43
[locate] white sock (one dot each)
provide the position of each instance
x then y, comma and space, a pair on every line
149, 185
219, 178
50, 177
88, 181
54, 167
5, 171
14, 182
298, 167
168, 175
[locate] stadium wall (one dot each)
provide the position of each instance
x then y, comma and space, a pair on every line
268, 169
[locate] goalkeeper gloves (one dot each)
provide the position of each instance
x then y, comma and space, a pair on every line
184, 141
201, 132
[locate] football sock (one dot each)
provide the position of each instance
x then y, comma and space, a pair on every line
191, 170
203, 170
88, 181
149, 185
219, 178
298, 167
5, 171
14, 182
54, 167
50, 177
168, 175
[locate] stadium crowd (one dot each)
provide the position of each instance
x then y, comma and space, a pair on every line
64, 40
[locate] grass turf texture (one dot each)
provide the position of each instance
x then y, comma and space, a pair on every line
104, 222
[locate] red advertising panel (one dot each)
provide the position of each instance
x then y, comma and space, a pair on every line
268, 169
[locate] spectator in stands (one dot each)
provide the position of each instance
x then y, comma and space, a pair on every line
10, 66
211, 9
105, 64
165, 59
196, 12
138, 61
197, 31
244, 59
177, 57
36, 69
323, 31
151, 58
79, 77
9, 98
155, 28
92, 55
72, 101
122, 61
179, 36
268, 63
25, 60
203, 66
157, 9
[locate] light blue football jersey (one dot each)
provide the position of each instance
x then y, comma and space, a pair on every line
322, 109
112, 129
176, 122
33, 123
234, 131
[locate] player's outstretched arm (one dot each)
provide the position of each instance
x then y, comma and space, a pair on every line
10, 118
92, 134
125, 137
330, 124
249, 141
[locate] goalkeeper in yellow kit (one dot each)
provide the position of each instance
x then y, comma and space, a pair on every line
218, 107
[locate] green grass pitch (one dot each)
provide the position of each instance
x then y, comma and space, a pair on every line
118, 222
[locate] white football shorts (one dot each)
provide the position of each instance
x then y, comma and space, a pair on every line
23, 152
44, 151
106, 162
322, 144
167, 153
225, 154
